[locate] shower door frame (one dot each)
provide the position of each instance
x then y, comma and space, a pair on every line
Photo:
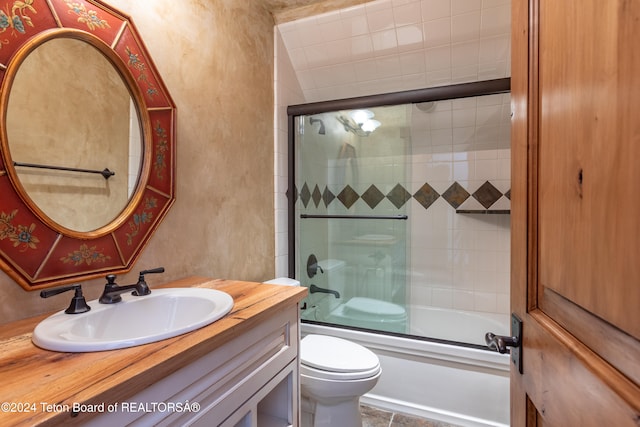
440, 93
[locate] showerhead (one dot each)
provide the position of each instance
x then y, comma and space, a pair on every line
321, 130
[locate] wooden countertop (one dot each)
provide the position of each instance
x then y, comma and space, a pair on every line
33, 381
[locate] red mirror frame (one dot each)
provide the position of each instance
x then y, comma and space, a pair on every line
34, 251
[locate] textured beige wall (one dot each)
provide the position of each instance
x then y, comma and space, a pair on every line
216, 58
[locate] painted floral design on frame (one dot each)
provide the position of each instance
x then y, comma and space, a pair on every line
159, 163
88, 17
16, 19
135, 63
21, 235
142, 218
85, 255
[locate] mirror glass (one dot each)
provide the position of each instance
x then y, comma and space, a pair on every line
83, 117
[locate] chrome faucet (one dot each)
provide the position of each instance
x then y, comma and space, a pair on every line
313, 289
112, 290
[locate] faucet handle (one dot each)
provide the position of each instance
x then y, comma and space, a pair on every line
153, 270
110, 287
313, 266
78, 302
111, 280
142, 287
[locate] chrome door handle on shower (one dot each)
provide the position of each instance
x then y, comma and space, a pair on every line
500, 343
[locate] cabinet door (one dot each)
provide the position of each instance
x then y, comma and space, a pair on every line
275, 404
576, 211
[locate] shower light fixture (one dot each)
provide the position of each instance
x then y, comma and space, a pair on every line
359, 122
370, 125
361, 116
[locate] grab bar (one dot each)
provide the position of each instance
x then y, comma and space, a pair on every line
306, 216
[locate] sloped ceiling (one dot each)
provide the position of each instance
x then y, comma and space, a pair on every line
394, 45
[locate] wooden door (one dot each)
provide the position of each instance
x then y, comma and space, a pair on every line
576, 211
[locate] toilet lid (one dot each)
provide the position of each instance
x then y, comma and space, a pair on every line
336, 355
374, 306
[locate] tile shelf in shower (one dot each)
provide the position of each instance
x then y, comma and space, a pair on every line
484, 211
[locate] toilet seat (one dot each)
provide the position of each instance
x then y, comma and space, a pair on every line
370, 306
332, 358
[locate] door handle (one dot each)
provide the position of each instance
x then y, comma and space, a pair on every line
502, 343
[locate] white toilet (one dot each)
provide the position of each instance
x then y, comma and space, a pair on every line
361, 311
334, 373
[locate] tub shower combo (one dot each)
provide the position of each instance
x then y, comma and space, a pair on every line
399, 227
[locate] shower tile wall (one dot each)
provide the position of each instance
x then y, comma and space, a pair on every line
458, 158
460, 41
461, 150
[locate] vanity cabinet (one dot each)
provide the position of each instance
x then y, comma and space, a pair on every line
252, 380
241, 370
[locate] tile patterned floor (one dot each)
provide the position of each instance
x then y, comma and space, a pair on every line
372, 417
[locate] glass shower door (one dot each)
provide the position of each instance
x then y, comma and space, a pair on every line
405, 228
352, 232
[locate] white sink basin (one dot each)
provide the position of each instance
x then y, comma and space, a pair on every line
165, 313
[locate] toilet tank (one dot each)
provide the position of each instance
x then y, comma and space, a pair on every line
333, 276
284, 281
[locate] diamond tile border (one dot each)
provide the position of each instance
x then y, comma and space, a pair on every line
372, 196
487, 194
305, 195
426, 195
327, 196
348, 196
399, 196
316, 196
455, 195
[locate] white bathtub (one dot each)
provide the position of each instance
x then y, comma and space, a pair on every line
459, 385
456, 325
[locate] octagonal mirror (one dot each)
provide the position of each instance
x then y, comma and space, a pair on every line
87, 147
